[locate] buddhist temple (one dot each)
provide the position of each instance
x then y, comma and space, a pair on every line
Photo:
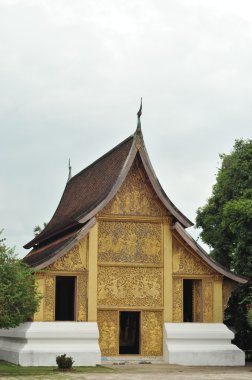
120, 276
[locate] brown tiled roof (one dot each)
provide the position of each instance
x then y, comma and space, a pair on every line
91, 189
43, 253
85, 191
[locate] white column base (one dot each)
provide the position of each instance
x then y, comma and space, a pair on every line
199, 344
38, 343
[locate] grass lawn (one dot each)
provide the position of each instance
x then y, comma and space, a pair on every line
8, 369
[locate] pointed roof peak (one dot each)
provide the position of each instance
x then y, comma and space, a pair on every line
139, 116
69, 171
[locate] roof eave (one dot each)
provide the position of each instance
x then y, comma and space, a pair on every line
177, 228
69, 245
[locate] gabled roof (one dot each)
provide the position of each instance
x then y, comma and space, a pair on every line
90, 190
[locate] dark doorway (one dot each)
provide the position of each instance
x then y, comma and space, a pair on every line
188, 300
129, 332
65, 297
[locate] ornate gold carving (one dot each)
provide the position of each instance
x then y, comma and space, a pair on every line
177, 300
207, 300
75, 259
152, 333
130, 242
228, 287
49, 298
128, 286
108, 324
197, 301
82, 297
184, 262
135, 197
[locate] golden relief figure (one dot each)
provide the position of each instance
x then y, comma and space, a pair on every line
184, 262
197, 301
49, 298
130, 242
177, 300
152, 333
207, 300
75, 259
82, 297
125, 286
135, 197
108, 322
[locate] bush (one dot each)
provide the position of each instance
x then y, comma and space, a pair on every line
64, 362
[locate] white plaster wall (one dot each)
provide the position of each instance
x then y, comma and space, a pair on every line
38, 343
201, 344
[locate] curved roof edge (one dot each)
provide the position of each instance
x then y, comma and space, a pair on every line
177, 228
70, 243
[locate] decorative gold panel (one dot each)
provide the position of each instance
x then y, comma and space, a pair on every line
207, 300
152, 333
228, 287
177, 300
130, 242
82, 297
75, 259
108, 324
135, 197
197, 301
184, 262
49, 298
127, 286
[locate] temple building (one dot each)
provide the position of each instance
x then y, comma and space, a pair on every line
120, 276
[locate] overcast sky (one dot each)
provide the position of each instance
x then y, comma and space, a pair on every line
71, 77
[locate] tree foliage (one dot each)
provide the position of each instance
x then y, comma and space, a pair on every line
19, 299
226, 222
37, 229
226, 219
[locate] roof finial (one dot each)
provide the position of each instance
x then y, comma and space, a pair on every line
69, 171
139, 115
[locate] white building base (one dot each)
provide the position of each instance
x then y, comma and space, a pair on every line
38, 343
201, 344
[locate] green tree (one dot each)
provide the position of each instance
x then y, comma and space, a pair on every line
37, 229
19, 299
226, 219
226, 223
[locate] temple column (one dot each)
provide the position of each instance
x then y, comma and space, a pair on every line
167, 236
92, 274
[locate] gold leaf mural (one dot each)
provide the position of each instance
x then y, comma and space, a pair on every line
184, 262
207, 300
130, 242
108, 324
135, 197
82, 297
75, 259
126, 286
152, 333
49, 298
177, 300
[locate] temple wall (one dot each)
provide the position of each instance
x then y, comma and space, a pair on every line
74, 263
131, 264
130, 261
207, 286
